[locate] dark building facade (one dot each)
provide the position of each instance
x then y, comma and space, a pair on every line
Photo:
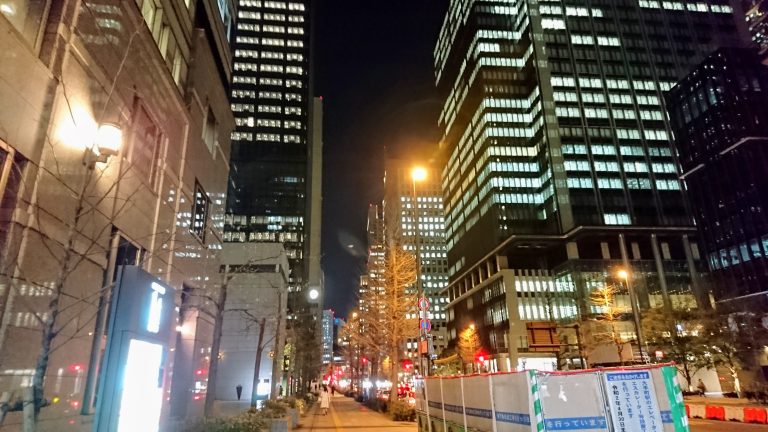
757, 21
271, 99
720, 121
558, 157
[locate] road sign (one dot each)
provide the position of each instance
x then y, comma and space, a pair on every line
426, 325
423, 303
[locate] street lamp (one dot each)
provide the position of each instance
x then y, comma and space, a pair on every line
314, 294
419, 174
624, 275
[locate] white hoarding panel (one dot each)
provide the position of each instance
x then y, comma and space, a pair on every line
633, 402
512, 402
435, 398
477, 402
572, 402
453, 401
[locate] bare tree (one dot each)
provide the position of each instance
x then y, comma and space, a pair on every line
605, 328
735, 341
468, 346
219, 306
390, 318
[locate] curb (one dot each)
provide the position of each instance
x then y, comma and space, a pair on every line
756, 415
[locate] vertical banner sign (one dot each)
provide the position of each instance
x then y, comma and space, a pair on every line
632, 398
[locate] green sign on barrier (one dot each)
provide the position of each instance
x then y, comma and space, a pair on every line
679, 417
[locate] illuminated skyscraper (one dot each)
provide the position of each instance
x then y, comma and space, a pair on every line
558, 165
413, 213
271, 147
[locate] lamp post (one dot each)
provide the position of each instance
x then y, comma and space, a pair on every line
419, 174
624, 275
107, 142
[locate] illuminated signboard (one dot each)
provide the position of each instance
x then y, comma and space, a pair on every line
130, 397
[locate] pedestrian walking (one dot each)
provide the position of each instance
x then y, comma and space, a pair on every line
325, 400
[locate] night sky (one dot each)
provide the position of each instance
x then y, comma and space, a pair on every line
373, 68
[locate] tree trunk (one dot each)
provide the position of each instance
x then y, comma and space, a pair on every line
687, 375
393, 373
277, 360
257, 364
736, 381
49, 326
213, 369
28, 410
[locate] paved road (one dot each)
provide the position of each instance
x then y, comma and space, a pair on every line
346, 415
698, 425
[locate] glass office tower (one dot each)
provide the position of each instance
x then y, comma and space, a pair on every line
558, 164
720, 121
271, 100
554, 114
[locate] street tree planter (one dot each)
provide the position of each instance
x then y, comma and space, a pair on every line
279, 425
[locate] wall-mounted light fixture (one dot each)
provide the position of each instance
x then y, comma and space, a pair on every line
108, 140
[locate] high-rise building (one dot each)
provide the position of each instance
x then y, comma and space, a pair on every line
270, 178
327, 323
720, 121
413, 214
155, 76
757, 21
372, 281
558, 166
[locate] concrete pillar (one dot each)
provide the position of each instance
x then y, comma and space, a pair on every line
702, 299
632, 295
660, 271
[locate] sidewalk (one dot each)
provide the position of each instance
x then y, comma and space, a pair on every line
346, 415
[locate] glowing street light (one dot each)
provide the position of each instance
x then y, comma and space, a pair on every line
418, 174
106, 143
623, 274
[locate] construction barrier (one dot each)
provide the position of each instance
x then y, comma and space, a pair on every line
696, 411
734, 413
755, 415
615, 400
714, 412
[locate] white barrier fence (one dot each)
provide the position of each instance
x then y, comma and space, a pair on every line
612, 400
